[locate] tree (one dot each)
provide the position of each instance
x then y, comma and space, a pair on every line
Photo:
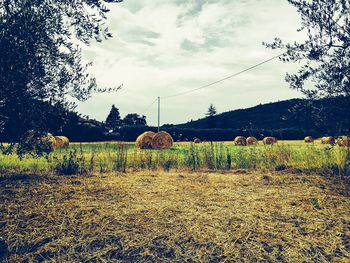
210, 114
211, 111
134, 119
113, 119
41, 61
325, 54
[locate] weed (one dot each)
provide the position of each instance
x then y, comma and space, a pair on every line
167, 165
192, 158
315, 203
121, 158
73, 164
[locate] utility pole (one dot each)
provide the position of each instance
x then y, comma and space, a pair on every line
158, 113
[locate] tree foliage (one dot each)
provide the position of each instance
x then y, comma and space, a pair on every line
325, 53
324, 57
211, 121
211, 111
133, 119
40, 62
113, 120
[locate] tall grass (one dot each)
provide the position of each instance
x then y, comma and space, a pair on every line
122, 157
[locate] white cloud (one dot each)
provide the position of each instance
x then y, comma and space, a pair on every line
165, 47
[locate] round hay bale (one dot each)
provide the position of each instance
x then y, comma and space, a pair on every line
308, 139
61, 142
269, 140
344, 141
44, 142
251, 141
328, 140
240, 141
162, 140
196, 140
144, 141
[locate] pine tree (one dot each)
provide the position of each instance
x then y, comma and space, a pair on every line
210, 114
113, 119
211, 111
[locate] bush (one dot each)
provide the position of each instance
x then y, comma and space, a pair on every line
73, 164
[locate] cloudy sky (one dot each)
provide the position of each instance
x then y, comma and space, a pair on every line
163, 47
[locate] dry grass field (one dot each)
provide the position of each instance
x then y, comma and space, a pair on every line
212, 202
155, 216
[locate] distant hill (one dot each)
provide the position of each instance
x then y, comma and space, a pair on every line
263, 116
299, 114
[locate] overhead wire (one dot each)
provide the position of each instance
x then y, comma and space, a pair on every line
149, 106
225, 78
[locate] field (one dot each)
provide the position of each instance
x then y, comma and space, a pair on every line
219, 156
194, 203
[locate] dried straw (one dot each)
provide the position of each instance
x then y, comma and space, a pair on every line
308, 139
144, 141
269, 140
162, 140
240, 141
251, 141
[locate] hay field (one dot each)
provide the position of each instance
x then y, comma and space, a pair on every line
208, 202
175, 217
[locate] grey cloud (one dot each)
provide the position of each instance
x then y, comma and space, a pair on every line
211, 42
139, 35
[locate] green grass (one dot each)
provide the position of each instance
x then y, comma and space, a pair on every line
123, 157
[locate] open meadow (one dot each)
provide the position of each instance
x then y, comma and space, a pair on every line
209, 202
103, 157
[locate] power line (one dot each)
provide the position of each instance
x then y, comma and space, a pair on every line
149, 107
223, 79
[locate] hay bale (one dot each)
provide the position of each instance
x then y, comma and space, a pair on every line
251, 141
44, 142
240, 141
48, 140
269, 140
308, 139
162, 140
344, 141
328, 140
61, 142
144, 141
196, 140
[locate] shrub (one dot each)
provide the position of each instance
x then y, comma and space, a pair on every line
73, 164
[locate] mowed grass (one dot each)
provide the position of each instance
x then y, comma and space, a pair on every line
154, 216
115, 156
209, 202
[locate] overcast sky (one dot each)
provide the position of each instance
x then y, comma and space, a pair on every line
163, 47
